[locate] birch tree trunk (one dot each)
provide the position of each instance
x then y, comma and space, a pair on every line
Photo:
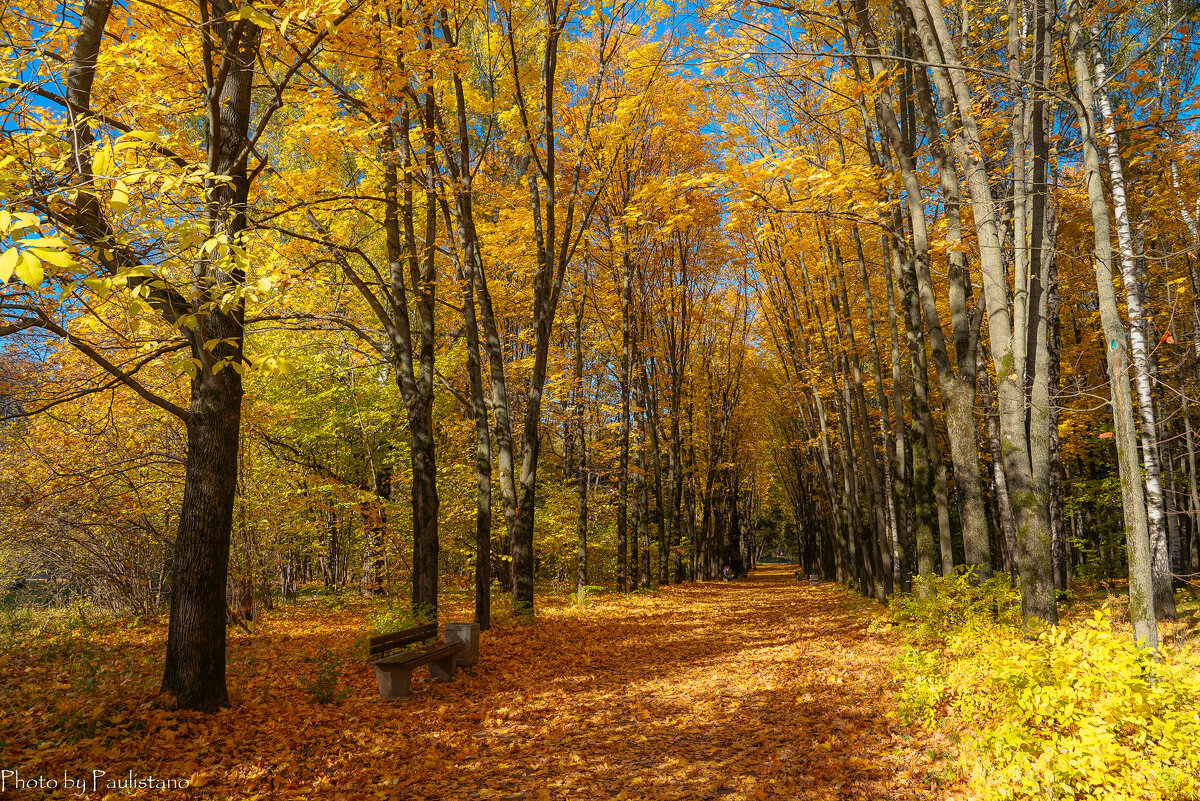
1141, 585
1164, 591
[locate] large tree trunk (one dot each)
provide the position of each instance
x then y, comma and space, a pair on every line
195, 664
194, 670
1164, 591
1141, 589
1028, 486
413, 362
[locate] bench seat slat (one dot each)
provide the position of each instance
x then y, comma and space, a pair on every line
391, 642
424, 656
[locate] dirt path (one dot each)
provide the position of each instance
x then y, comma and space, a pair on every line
746, 690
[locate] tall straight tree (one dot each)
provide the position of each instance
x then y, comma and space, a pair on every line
956, 375
559, 217
1164, 586
1137, 535
1024, 417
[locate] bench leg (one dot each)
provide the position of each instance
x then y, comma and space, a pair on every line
394, 681
443, 669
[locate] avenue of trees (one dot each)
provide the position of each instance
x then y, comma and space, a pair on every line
396, 295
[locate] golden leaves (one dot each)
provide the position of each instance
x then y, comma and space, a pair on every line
31, 253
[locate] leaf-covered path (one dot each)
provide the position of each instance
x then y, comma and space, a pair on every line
755, 689
764, 688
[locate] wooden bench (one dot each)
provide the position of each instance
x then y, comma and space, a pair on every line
393, 671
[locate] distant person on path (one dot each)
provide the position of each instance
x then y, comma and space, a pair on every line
726, 574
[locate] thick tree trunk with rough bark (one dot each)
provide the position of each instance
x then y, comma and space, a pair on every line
411, 261
1028, 487
194, 669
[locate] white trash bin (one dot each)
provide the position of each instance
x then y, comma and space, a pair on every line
467, 633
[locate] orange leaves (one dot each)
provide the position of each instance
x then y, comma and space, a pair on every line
764, 689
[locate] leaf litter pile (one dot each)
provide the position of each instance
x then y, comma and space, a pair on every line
765, 688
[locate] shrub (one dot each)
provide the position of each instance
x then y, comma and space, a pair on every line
1086, 713
942, 605
323, 686
395, 615
1074, 712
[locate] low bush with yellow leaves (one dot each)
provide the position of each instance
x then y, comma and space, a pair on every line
1072, 712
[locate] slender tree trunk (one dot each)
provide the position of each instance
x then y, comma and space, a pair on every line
650, 422
623, 466
924, 441
1008, 524
888, 501
879, 557
581, 488
638, 446
483, 453
901, 461
1193, 492
643, 496
957, 385
470, 277
1060, 552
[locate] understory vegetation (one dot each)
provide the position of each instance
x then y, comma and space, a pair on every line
1077, 711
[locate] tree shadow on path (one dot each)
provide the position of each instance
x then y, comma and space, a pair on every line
757, 689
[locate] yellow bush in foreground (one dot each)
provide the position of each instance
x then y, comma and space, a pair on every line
1076, 712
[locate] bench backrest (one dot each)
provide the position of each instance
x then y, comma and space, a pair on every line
381, 646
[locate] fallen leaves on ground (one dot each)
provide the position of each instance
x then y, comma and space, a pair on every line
759, 689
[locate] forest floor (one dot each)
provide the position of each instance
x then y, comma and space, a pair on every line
763, 688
